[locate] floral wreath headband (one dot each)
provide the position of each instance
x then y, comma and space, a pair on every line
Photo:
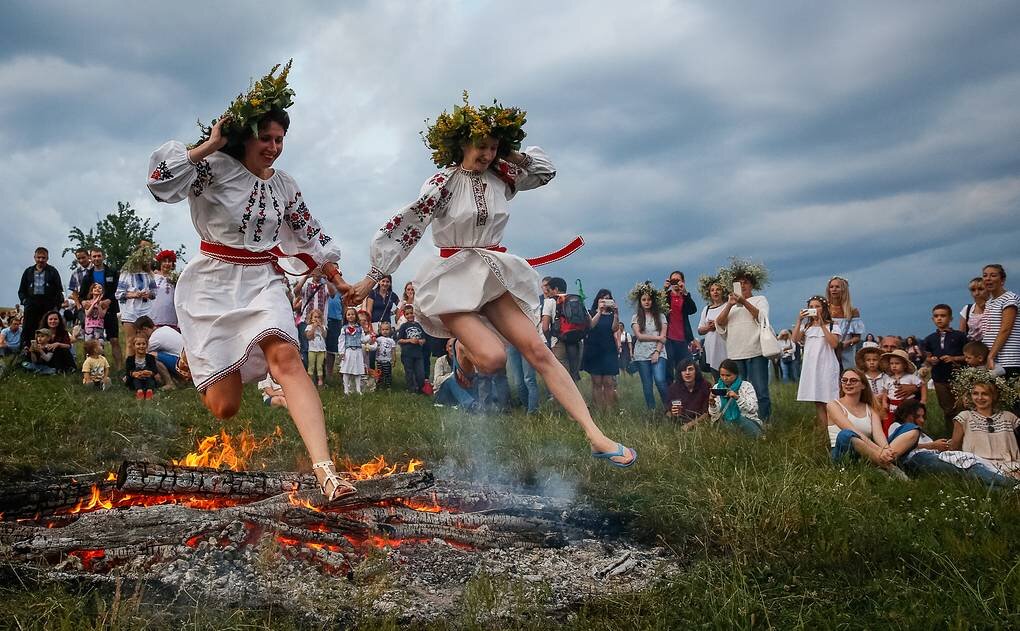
705, 283
757, 273
267, 94
659, 297
469, 123
966, 378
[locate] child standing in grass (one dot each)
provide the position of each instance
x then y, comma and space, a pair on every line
975, 355
868, 360
352, 355
95, 313
316, 334
944, 353
384, 346
819, 373
411, 338
140, 369
95, 369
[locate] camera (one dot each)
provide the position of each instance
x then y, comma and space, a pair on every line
607, 303
674, 281
811, 312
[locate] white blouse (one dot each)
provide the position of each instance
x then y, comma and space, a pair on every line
233, 206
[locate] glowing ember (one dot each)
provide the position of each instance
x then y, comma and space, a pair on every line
303, 503
88, 556
224, 450
99, 500
111, 476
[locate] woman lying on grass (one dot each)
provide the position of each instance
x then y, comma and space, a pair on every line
855, 426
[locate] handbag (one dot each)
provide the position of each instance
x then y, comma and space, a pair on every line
769, 341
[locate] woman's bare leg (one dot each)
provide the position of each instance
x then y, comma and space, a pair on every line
518, 329
223, 398
823, 416
302, 397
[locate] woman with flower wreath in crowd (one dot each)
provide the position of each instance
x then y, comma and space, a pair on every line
648, 325
232, 303
475, 290
987, 428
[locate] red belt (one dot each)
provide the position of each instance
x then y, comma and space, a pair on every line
563, 252
240, 256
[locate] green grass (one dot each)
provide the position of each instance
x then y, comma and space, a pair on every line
770, 534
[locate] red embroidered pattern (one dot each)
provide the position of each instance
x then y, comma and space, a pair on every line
161, 173
392, 225
410, 237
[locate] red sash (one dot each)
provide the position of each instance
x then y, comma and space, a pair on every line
240, 256
545, 259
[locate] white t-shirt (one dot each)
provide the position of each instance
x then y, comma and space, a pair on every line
268, 383
549, 309
742, 332
166, 340
892, 384
317, 343
880, 384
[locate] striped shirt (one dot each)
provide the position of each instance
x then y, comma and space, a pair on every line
1009, 354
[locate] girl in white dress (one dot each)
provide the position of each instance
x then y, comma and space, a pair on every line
232, 301
474, 290
819, 375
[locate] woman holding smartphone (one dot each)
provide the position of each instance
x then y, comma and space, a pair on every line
819, 375
601, 357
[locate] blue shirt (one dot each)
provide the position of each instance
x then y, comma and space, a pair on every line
335, 307
13, 337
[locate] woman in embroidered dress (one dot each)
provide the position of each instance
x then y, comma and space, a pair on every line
136, 288
475, 291
164, 313
232, 304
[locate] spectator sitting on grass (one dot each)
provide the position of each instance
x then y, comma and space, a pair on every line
166, 344
985, 429
454, 378
739, 408
37, 358
60, 344
272, 393
936, 456
10, 337
855, 426
95, 369
140, 368
688, 395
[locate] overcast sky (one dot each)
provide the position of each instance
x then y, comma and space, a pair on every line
878, 141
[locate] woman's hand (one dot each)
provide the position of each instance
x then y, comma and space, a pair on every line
216, 138
359, 291
733, 299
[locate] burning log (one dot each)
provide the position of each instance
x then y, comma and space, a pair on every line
30, 498
168, 479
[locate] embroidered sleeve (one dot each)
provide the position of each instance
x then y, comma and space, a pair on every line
122, 288
536, 171
300, 231
152, 286
747, 399
398, 236
173, 176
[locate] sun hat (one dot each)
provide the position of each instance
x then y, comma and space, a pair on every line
902, 354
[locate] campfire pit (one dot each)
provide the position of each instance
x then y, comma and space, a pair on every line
404, 545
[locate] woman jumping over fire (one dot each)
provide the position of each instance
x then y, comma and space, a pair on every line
232, 302
474, 290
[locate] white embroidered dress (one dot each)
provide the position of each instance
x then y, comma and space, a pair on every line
466, 210
224, 310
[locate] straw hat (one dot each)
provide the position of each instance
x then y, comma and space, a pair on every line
902, 354
867, 350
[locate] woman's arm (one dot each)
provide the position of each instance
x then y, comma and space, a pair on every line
215, 142
723, 318
830, 338
959, 430
1008, 318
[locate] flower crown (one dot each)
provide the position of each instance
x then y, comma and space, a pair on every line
965, 379
705, 283
659, 297
757, 273
469, 123
140, 260
267, 94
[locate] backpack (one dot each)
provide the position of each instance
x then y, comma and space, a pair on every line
572, 320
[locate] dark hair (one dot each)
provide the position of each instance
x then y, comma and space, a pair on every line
144, 322
77, 251
682, 366
996, 266
676, 271
977, 348
642, 313
730, 366
910, 341
942, 305
826, 314
558, 284
976, 279
599, 295
60, 323
96, 248
235, 144
907, 410
41, 249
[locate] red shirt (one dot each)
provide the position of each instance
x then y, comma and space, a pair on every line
675, 330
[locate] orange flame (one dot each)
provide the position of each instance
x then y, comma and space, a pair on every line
377, 467
224, 450
301, 502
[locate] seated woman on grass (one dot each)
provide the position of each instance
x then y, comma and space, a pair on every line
937, 456
688, 395
734, 402
986, 429
855, 426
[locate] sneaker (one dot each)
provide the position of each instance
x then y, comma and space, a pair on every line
139, 394
896, 473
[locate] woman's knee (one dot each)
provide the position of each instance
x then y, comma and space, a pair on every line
488, 360
222, 407
284, 361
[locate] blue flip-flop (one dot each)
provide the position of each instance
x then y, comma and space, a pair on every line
620, 451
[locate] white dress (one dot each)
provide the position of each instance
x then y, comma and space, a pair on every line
224, 310
819, 373
466, 210
715, 344
163, 310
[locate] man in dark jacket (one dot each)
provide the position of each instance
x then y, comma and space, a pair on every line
108, 278
680, 340
40, 291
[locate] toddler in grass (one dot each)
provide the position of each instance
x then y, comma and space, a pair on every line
316, 334
95, 370
868, 360
384, 345
37, 356
901, 371
140, 369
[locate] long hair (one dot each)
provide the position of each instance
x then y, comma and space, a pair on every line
235, 145
866, 395
826, 314
599, 295
59, 331
642, 313
846, 303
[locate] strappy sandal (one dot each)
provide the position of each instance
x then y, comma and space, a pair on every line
341, 487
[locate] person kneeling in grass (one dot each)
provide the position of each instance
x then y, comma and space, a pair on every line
738, 407
938, 456
855, 426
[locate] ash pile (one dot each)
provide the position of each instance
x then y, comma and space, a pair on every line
406, 545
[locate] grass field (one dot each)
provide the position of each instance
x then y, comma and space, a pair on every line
769, 532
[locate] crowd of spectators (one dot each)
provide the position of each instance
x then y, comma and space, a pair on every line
869, 392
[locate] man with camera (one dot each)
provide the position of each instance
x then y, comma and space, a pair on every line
680, 340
